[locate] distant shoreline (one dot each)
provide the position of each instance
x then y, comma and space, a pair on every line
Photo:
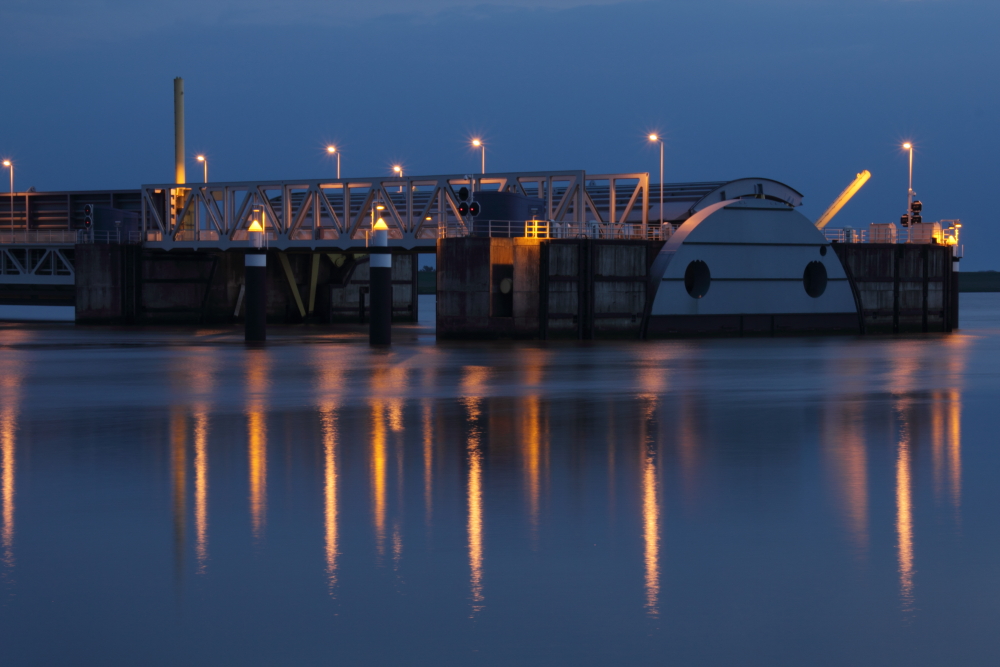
978, 281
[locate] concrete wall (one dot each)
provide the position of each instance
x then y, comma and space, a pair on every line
348, 287
572, 288
127, 284
902, 287
471, 301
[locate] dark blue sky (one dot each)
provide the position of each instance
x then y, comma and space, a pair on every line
808, 92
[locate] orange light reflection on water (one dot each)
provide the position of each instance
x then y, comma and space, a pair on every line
11, 377
650, 512
201, 487
329, 423
257, 383
904, 522
474, 385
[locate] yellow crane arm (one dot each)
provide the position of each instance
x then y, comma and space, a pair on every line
842, 200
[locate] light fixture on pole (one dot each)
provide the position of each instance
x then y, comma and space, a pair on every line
656, 138
909, 190
399, 170
10, 165
201, 158
478, 143
332, 150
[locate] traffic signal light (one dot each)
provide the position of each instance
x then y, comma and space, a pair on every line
88, 216
474, 209
463, 208
463, 194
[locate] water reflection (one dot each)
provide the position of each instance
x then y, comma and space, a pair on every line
10, 390
178, 481
904, 519
473, 386
532, 445
201, 486
258, 369
427, 416
846, 453
328, 417
650, 512
378, 473
580, 483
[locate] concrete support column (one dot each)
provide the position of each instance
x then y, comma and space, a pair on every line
380, 277
256, 297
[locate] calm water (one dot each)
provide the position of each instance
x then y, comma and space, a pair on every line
171, 497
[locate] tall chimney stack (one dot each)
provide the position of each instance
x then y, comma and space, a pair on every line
179, 131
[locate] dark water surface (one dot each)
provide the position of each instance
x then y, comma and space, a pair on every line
170, 497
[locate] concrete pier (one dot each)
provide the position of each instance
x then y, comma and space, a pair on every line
128, 284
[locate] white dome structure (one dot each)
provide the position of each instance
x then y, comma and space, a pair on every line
746, 266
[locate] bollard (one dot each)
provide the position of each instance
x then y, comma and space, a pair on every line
255, 270
380, 291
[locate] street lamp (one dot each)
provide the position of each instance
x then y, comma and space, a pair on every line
10, 165
399, 170
201, 158
909, 191
478, 143
656, 138
332, 150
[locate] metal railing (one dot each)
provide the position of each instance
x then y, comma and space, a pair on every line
548, 229
116, 237
39, 237
846, 235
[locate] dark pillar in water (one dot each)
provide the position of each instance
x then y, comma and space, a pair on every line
380, 270
256, 296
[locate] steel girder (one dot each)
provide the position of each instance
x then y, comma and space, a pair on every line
336, 213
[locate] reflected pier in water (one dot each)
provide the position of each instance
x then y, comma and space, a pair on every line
461, 495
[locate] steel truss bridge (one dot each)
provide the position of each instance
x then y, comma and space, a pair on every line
336, 213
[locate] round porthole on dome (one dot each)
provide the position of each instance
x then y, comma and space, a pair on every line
697, 279
814, 279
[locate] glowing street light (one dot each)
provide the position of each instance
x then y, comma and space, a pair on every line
201, 158
399, 170
10, 165
909, 191
478, 143
332, 150
656, 138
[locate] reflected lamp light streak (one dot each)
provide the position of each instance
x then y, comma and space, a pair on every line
257, 382
178, 474
473, 386
846, 450
955, 446
378, 474
330, 509
651, 533
532, 460
201, 487
904, 523
428, 461
8, 461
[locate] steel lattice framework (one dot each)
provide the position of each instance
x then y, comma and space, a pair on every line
337, 213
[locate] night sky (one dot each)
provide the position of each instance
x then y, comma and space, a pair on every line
802, 91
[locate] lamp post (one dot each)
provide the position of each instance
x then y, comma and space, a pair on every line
908, 146
201, 158
10, 165
478, 143
399, 170
655, 138
332, 150
909, 190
